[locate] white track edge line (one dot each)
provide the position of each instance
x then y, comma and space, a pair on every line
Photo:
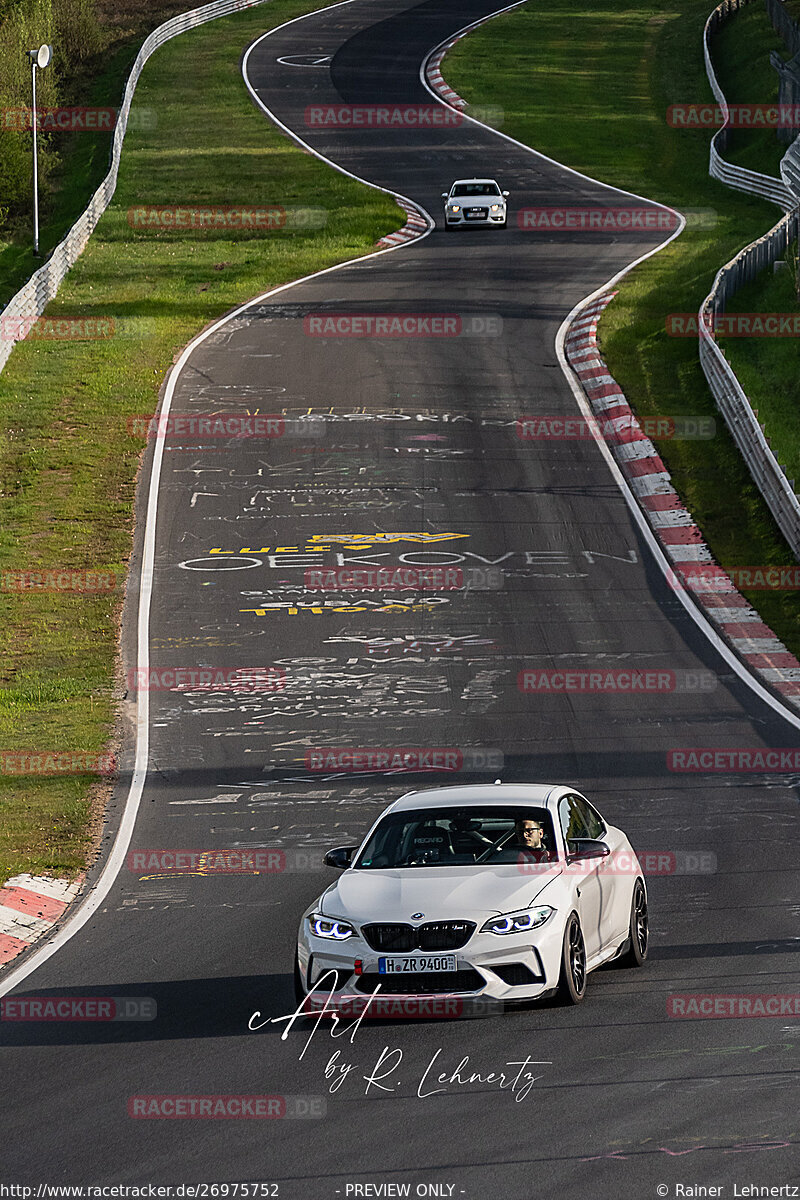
529, 149
702, 621
698, 616
98, 892
296, 137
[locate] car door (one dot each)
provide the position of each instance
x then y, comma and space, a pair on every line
584, 873
618, 875
614, 874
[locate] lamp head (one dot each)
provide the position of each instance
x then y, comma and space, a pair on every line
41, 56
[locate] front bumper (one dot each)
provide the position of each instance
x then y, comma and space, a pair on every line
510, 967
459, 220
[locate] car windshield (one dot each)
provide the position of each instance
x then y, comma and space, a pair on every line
475, 189
445, 837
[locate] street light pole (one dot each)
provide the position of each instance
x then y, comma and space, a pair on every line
39, 58
35, 160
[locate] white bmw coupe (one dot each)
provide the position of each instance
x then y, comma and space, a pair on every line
508, 891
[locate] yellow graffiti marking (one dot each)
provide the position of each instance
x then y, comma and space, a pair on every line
366, 539
345, 608
353, 541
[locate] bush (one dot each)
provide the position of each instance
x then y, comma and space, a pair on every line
70, 26
15, 172
77, 32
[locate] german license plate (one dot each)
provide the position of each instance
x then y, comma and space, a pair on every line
399, 965
475, 213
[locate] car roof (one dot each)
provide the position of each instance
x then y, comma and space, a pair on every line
476, 179
540, 794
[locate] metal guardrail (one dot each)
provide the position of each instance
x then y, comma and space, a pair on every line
788, 95
784, 26
32, 299
736, 177
728, 393
790, 169
788, 72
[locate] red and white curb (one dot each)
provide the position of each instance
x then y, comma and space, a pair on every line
29, 907
672, 523
433, 74
433, 65
414, 227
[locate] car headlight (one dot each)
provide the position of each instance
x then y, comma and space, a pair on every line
496, 207
519, 922
455, 208
329, 927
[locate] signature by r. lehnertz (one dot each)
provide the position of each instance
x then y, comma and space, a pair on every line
387, 1073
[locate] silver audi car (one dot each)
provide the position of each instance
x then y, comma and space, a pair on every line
478, 202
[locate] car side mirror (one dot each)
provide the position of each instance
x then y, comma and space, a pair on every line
584, 848
340, 857
506, 193
445, 195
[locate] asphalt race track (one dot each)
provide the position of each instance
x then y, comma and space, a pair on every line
419, 437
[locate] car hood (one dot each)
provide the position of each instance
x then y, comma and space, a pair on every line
440, 893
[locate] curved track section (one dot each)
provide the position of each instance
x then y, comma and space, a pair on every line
417, 461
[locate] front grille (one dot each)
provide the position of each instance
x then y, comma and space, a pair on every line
444, 935
389, 937
419, 983
476, 212
434, 935
516, 974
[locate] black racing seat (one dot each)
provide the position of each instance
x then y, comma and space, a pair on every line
432, 841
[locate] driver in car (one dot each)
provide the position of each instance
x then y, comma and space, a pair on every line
529, 839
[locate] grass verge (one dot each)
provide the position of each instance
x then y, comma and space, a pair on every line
767, 368
83, 158
67, 462
590, 86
